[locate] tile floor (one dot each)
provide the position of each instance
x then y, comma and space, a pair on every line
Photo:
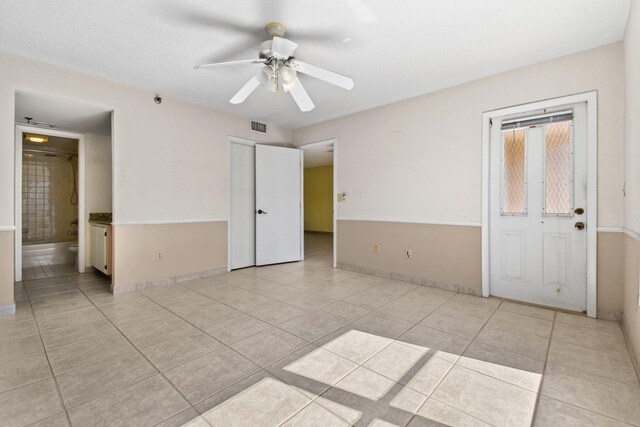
44, 269
303, 344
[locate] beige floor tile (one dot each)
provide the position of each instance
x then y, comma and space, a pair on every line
144, 316
519, 323
209, 374
345, 311
187, 418
236, 328
315, 415
35, 293
180, 349
243, 300
83, 315
78, 332
488, 399
607, 397
502, 357
152, 333
381, 423
57, 420
381, 324
357, 346
28, 404
587, 322
529, 345
528, 310
458, 319
366, 383
23, 371
472, 299
441, 413
310, 301
58, 297
19, 348
604, 364
61, 307
429, 376
527, 380
267, 403
277, 313
208, 314
395, 360
313, 325
144, 403
408, 400
87, 352
435, 339
593, 338
551, 413
268, 346
17, 329
323, 366
89, 382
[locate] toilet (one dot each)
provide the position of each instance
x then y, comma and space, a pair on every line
73, 248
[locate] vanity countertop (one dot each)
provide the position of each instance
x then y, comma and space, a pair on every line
101, 217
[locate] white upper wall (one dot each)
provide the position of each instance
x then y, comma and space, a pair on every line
632, 120
420, 159
170, 160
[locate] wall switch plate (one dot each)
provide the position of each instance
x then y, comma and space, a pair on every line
159, 255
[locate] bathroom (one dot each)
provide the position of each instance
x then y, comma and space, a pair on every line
63, 177
49, 206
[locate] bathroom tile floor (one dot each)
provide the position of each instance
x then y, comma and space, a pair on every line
303, 344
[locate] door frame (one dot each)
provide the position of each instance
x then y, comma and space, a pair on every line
19, 130
591, 98
327, 143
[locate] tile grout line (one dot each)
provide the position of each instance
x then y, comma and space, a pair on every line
544, 369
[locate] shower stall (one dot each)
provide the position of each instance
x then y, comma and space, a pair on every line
49, 208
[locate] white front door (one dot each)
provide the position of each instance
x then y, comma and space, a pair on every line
538, 200
278, 204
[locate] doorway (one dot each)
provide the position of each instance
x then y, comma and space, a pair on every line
539, 218
320, 200
265, 204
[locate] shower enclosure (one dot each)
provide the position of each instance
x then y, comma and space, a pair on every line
49, 209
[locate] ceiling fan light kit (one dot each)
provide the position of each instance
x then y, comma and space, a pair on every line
279, 71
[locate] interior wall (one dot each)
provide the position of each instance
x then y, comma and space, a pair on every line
318, 199
98, 177
632, 179
418, 161
169, 160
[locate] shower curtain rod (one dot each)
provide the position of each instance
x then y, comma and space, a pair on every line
36, 150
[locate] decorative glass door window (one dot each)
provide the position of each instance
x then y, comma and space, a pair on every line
514, 173
558, 173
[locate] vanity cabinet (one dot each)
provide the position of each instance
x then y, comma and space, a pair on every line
101, 247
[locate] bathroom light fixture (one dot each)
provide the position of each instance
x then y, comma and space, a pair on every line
40, 139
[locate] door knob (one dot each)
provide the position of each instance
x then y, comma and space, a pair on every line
579, 211
261, 212
579, 225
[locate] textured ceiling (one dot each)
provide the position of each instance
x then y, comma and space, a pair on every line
392, 49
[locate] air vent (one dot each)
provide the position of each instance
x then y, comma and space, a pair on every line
259, 127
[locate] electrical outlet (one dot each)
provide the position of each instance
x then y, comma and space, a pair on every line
159, 255
376, 248
408, 253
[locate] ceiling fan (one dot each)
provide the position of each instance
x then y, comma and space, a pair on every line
279, 70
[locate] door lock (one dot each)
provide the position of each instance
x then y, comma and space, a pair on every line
579, 225
579, 211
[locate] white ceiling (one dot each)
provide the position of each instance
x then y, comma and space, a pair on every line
66, 115
392, 49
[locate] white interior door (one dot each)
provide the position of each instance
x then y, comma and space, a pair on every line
242, 250
538, 199
278, 204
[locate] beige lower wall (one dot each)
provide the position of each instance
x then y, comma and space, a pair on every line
450, 256
189, 249
6, 268
446, 255
610, 275
631, 313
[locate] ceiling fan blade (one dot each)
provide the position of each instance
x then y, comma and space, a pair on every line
225, 64
301, 97
322, 74
245, 91
283, 47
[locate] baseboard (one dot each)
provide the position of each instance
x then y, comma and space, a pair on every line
7, 309
120, 289
411, 279
614, 316
328, 233
633, 346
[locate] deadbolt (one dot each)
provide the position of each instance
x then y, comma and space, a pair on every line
579, 211
579, 225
